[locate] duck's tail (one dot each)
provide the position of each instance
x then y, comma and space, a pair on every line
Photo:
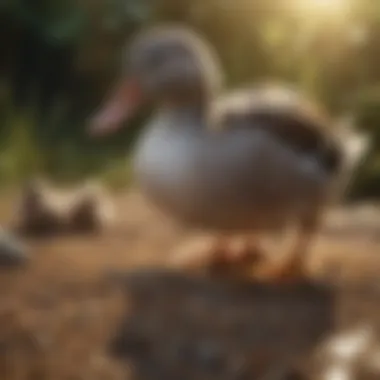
354, 147
355, 144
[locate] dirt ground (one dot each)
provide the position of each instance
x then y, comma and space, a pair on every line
57, 315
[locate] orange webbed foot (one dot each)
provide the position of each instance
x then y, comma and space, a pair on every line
217, 256
237, 259
285, 272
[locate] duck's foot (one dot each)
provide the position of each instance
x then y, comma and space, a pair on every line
291, 267
238, 258
218, 256
193, 254
290, 271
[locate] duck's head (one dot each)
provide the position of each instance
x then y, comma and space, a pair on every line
170, 66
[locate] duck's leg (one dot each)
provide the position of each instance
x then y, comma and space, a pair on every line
292, 266
217, 254
198, 253
238, 258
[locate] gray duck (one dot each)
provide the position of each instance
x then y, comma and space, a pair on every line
257, 160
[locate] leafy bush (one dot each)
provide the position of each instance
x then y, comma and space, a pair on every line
366, 108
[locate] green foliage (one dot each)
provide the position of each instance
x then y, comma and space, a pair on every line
366, 107
118, 174
367, 110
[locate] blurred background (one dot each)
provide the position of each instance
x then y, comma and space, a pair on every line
57, 61
58, 57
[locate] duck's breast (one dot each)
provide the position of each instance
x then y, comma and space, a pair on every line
166, 164
241, 178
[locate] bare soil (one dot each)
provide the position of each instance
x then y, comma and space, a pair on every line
60, 316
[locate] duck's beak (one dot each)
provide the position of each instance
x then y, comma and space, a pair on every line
121, 105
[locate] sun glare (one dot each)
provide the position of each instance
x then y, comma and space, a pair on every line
322, 8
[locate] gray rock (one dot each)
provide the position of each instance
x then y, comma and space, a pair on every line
12, 252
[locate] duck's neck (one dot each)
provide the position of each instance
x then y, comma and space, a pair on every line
187, 113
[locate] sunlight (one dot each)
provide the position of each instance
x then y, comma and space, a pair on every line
322, 8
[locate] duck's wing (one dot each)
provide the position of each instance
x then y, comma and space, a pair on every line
285, 113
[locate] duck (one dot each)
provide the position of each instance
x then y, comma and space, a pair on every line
44, 210
254, 161
35, 214
90, 209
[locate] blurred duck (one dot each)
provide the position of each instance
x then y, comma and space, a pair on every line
252, 161
90, 210
35, 213
44, 211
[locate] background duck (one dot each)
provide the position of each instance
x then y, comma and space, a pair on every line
36, 214
43, 210
90, 210
273, 163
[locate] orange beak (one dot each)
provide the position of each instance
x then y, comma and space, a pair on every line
120, 106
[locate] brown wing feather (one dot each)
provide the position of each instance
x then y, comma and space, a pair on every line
287, 114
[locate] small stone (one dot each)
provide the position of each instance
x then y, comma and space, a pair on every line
12, 252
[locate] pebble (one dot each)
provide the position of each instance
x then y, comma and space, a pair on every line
12, 252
